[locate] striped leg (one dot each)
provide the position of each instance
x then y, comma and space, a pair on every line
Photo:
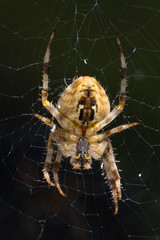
55, 171
45, 70
48, 160
118, 129
64, 122
45, 120
112, 173
118, 109
45, 80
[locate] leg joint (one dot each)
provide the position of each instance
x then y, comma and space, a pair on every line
46, 67
124, 73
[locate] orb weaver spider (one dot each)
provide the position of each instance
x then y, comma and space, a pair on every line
82, 110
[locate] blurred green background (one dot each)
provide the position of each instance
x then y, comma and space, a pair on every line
84, 44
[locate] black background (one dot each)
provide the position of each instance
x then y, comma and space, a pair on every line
84, 44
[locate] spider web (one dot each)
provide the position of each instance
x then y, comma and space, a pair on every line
84, 45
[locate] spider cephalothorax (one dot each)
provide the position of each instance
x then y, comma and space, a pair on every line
82, 110
82, 156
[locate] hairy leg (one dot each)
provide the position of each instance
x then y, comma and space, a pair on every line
55, 172
112, 173
118, 129
64, 122
118, 109
48, 160
45, 120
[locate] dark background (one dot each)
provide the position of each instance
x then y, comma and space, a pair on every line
84, 44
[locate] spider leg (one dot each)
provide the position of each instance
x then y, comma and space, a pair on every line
49, 159
112, 173
50, 154
54, 128
55, 172
118, 129
45, 79
118, 109
45, 120
56, 164
63, 121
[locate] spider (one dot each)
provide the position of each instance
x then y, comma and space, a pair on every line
82, 110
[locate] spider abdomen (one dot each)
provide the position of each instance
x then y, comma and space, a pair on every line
87, 108
84, 101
